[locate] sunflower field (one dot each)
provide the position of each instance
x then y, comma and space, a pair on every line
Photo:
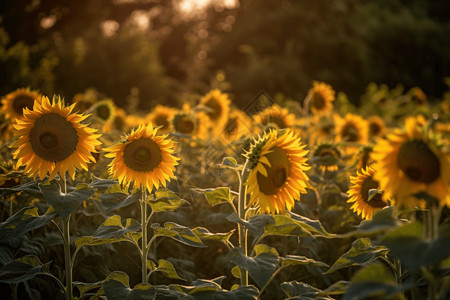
224, 149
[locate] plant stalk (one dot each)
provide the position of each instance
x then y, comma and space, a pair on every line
144, 235
66, 237
241, 212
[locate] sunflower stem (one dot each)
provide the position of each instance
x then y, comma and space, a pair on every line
66, 238
241, 212
144, 234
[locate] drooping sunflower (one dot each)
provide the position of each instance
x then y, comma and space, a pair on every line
409, 162
358, 194
219, 104
276, 117
14, 103
321, 97
277, 175
161, 116
238, 124
327, 157
53, 139
352, 129
143, 158
376, 126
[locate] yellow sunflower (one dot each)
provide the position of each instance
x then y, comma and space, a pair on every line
352, 129
409, 162
219, 104
275, 117
238, 124
321, 97
277, 176
104, 110
327, 157
143, 158
364, 157
376, 126
322, 129
187, 122
418, 96
53, 139
358, 194
161, 116
14, 103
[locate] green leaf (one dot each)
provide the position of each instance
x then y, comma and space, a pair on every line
361, 253
293, 260
167, 269
218, 195
315, 227
102, 184
255, 225
16, 272
230, 163
236, 271
30, 187
407, 244
84, 287
300, 291
165, 200
178, 232
382, 220
336, 288
211, 289
372, 280
115, 197
286, 226
112, 231
260, 268
204, 234
64, 204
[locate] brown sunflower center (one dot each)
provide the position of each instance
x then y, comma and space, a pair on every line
53, 138
376, 201
327, 152
161, 120
21, 102
103, 112
275, 119
318, 101
142, 155
184, 124
374, 128
231, 126
350, 133
277, 173
418, 162
216, 107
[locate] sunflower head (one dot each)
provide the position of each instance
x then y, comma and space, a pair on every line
364, 157
327, 157
53, 139
321, 97
161, 117
104, 110
188, 122
143, 159
238, 124
275, 117
277, 177
218, 105
409, 162
352, 129
376, 126
418, 96
15, 102
364, 195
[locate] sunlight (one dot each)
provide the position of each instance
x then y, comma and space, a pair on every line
192, 7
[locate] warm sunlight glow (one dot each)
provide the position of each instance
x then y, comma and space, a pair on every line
194, 7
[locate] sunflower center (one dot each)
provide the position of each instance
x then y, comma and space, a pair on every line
350, 133
231, 126
53, 138
215, 106
275, 119
418, 162
374, 128
161, 120
318, 101
103, 112
277, 173
142, 155
21, 102
376, 201
327, 152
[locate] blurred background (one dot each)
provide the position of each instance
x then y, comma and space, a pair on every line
165, 51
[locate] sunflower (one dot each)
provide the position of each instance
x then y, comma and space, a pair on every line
352, 129
418, 96
187, 122
364, 157
322, 129
161, 116
277, 171
321, 97
238, 124
327, 157
104, 110
275, 117
376, 126
52, 139
219, 105
358, 194
143, 158
408, 162
14, 103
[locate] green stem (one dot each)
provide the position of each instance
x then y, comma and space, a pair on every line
66, 239
11, 199
241, 212
144, 235
269, 281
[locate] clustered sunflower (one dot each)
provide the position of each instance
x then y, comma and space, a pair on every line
277, 177
15, 102
52, 139
321, 97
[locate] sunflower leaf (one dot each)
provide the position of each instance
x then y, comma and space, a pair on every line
216, 196
167, 269
30, 187
165, 200
17, 271
115, 197
260, 268
65, 204
362, 253
178, 232
211, 289
293, 260
204, 234
300, 291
